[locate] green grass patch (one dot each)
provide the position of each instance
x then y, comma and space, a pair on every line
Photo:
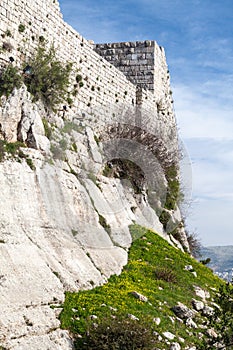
155, 269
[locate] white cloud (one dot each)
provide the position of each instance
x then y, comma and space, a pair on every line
203, 115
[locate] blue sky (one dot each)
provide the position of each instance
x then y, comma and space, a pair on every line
198, 39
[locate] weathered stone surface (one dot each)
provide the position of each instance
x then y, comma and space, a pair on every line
203, 294
182, 311
175, 346
211, 332
208, 311
132, 317
169, 335
198, 305
190, 323
157, 321
139, 296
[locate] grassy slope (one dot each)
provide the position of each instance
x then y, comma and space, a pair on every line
146, 255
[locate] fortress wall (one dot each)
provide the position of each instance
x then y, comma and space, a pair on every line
107, 95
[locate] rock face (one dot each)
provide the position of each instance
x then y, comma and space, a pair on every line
63, 225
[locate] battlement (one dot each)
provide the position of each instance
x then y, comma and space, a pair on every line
142, 62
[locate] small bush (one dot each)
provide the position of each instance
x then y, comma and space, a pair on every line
165, 274
78, 78
115, 334
194, 244
30, 163
13, 149
164, 218
205, 261
49, 79
8, 33
9, 79
21, 28
173, 190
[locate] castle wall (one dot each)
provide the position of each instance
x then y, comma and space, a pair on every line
135, 59
107, 95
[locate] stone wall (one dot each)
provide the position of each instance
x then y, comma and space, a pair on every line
107, 92
136, 60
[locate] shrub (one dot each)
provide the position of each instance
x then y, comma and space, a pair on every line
166, 274
222, 320
205, 261
9, 79
164, 218
21, 28
173, 190
49, 79
12, 149
114, 334
8, 33
194, 244
30, 163
78, 78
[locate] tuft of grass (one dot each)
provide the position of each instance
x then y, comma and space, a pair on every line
103, 223
165, 274
146, 255
21, 28
47, 128
12, 149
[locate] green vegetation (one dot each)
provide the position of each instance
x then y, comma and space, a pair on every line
10, 78
8, 33
74, 232
151, 260
21, 28
30, 163
173, 191
59, 149
115, 334
48, 79
14, 150
222, 319
47, 128
164, 218
70, 126
103, 223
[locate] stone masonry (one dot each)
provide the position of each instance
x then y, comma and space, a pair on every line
139, 61
120, 77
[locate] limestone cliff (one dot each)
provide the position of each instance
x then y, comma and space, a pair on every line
72, 181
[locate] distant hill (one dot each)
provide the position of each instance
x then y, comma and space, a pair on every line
221, 258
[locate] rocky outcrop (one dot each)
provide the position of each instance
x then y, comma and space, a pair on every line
63, 224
